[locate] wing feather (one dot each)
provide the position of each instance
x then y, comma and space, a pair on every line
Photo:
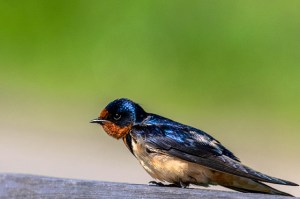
196, 146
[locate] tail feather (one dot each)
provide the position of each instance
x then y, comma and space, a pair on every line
263, 189
243, 184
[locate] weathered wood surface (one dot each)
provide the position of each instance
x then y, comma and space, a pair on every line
31, 186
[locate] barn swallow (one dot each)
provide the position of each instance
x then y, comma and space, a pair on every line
180, 154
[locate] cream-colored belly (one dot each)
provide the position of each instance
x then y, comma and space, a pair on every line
171, 169
174, 170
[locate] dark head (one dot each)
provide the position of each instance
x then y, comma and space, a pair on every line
119, 116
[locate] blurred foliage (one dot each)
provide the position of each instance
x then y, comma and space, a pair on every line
216, 54
229, 67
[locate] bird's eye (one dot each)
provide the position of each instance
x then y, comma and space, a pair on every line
117, 116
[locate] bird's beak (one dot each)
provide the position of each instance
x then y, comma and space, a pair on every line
97, 120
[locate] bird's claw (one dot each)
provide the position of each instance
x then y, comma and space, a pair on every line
154, 183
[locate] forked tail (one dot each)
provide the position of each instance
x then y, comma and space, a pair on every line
258, 187
245, 184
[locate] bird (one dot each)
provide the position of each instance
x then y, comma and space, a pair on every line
179, 154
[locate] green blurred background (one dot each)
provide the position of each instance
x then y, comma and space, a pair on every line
230, 68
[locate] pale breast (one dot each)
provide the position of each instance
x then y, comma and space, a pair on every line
170, 169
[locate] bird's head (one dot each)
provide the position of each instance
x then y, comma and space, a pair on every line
119, 116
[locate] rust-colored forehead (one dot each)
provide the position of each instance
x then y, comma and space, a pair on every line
103, 114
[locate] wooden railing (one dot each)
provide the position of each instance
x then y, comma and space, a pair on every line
25, 186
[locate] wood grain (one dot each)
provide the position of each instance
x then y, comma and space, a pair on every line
31, 186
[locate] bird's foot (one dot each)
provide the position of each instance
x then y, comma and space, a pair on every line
183, 185
154, 183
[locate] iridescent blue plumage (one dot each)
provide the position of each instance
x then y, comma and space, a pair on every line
130, 112
188, 135
196, 146
169, 150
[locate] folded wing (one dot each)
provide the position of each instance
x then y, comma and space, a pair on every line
196, 146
